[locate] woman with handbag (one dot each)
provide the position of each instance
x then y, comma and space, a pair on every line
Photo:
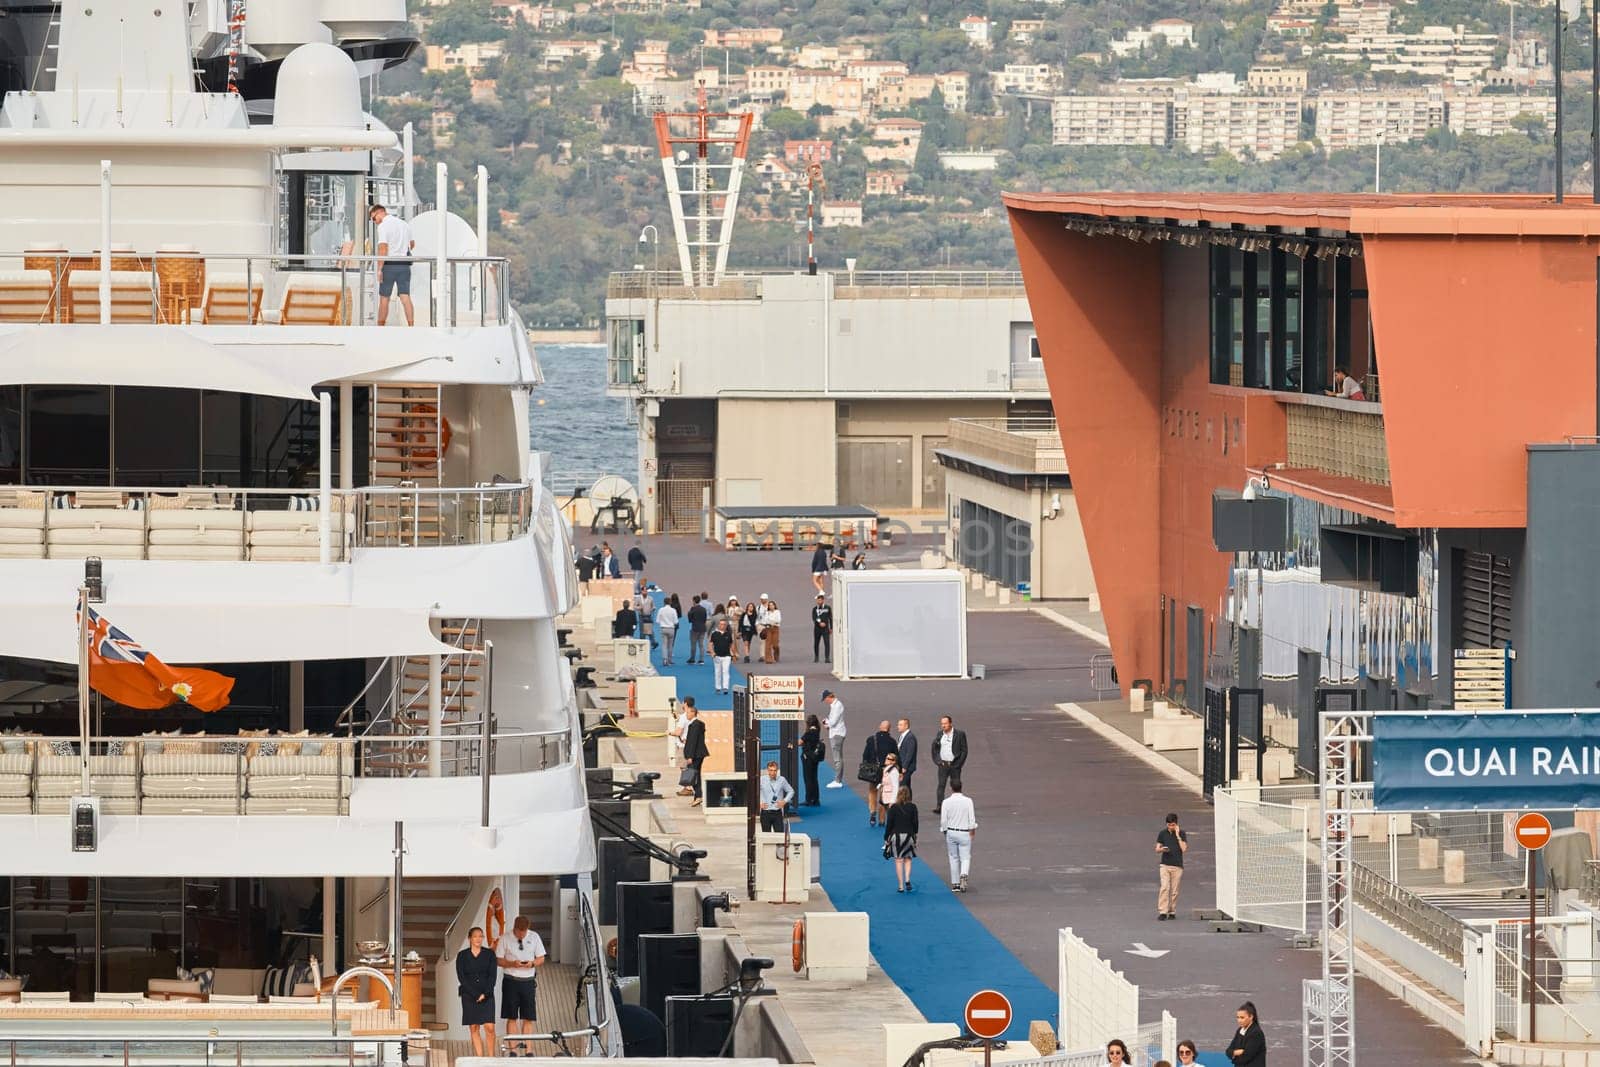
811, 755
747, 629
889, 787
873, 757
900, 836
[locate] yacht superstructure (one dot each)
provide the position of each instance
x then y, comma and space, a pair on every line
202, 420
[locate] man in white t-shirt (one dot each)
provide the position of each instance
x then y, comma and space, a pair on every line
394, 248
520, 952
836, 736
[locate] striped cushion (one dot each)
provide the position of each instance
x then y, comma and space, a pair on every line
108, 805
300, 785
191, 785
275, 766
16, 763
214, 805
51, 765
99, 785
297, 805
184, 763
14, 785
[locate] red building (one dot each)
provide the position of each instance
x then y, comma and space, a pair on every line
808, 151
1190, 342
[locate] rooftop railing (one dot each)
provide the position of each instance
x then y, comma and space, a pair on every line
1022, 443
195, 287
279, 525
859, 284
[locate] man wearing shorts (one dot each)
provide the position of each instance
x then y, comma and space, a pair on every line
521, 952
394, 249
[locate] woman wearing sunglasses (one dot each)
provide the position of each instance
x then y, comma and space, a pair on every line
1188, 1055
1117, 1054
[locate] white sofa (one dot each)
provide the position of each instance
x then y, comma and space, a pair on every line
293, 535
193, 783
300, 784
197, 533
110, 533
16, 782
114, 779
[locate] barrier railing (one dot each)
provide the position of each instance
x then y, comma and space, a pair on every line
1409, 913
747, 284
195, 287
212, 1049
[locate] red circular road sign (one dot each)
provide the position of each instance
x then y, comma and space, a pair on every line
988, 1013
1533, 830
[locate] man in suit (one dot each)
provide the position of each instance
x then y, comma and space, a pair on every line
609, 567
695, 751
908, 753
821, 630
949, 755
636, 562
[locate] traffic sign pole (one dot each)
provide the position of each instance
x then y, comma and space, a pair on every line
1532, 833
988, 1052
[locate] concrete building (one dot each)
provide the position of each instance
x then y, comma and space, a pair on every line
1413, 526
1276, 79
768, 82
894, 140
469, 57
1490, 114
971, 159
1262, 126
791, 389
744, 37
976, 27
954, 87
557, 53
1356, 119
1174, 33
1013, 516
1438, 52
1022, 31
807, 151
1115, 119
886, 183
841, 213
871, 72
1031, 78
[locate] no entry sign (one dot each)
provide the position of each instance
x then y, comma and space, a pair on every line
988, 1014
1533, 831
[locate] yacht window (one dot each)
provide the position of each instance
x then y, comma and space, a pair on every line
69, 434
156, 436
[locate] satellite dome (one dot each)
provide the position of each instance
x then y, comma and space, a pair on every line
318, 86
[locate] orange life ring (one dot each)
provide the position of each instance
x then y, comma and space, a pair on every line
422, 454
798, 944
633, 699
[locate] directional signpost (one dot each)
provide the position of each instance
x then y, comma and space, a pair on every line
988, 1016
1533, 833
767, 697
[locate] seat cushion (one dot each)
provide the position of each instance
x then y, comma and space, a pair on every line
19, 535
184, 763
96, 519
33, 551
15, 785
104, 550
154, 805
300, 785
109, 805
21, 518
200, 520
100, 785
271, 766
52, 765
191, 785
17, 806
293, 806
96, 535
233, 551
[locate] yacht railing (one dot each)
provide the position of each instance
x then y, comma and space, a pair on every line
203, 1050
193, 287
371, 517
279, 775
748, 284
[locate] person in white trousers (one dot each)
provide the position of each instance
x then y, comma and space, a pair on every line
958, 821
836, 735
721, 642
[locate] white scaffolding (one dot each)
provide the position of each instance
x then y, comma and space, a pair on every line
1328, 1005
702, 160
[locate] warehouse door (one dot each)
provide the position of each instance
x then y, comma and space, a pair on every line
875, 472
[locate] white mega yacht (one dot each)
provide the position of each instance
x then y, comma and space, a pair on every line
207, 433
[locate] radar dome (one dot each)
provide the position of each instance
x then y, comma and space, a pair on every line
318, 86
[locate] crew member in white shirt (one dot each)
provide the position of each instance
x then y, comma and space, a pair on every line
521, 952
836, 733
394, 249
958, 821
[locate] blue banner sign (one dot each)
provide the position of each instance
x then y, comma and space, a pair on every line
1495, 761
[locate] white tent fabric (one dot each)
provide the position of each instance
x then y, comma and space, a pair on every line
178, 358
900, 624
262, 612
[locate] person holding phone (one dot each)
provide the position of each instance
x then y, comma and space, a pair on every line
1171, 844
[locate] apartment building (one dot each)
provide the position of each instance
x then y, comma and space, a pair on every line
807, 151
1023, 30
1114, 119
841, 213
1366, 17
976, 27
1356, 119
557, 53
871, 72
1033, 78
1176, 33
1438, 51
1276, 79
744, 37
1490, 114
469, 57
954, 87
886, 183
1262, 126
809, 87
768, 82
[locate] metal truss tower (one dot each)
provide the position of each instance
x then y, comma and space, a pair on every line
1328, 1006
235, 42
703, 159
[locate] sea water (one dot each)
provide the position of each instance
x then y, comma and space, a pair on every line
586, 432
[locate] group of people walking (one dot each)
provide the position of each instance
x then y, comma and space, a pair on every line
718, 632
1247, 1047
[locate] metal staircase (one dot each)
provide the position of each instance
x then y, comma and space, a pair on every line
409, 437
461, 679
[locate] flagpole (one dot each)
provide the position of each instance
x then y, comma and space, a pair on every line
83, 684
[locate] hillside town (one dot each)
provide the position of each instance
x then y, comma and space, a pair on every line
875, 111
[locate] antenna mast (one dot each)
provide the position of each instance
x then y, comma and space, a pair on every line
697, 149
235, 42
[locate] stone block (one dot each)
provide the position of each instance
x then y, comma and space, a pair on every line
1455, 866
1004, 593
1177, 733
1278, 766
1427, 853
975, 581
1136, 700
656, 693
1094, 603
1164, 710
900, 1040
1378, 829
990, 587
836, 946
1042, 1037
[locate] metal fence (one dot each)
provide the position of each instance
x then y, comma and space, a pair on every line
681, 504
1096, 1002
1267, 866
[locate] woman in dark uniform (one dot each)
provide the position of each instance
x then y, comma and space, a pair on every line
1249, 1045
476, 971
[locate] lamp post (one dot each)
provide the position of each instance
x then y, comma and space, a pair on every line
653, 236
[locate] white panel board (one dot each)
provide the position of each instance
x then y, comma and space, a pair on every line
900, 624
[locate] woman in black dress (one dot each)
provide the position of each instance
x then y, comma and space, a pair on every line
811, 753
747, 629
900, 836
476, 971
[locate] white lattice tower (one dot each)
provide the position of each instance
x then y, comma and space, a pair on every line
1329, 1005
702, 159
235, 42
